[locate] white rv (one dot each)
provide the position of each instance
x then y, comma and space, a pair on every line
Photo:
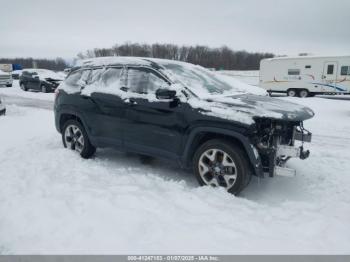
306, 75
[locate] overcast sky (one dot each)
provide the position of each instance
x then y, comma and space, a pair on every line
42, 28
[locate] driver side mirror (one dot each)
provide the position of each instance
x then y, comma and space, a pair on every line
165, 94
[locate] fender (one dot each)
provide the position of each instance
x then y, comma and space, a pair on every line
61, 111
252, 153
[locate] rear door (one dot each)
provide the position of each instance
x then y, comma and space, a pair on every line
330, 76
34, 81
104, 91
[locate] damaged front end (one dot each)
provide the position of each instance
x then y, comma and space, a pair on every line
275, 143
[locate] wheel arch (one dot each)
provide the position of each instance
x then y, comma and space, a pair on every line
201, 135
66, 115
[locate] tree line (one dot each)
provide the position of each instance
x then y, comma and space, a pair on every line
57, 64
222, 58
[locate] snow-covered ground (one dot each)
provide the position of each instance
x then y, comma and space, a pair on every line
54, 202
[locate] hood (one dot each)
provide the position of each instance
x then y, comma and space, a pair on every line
246, 108
266, 107
50, 79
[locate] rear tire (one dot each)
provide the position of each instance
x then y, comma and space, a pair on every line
75, 138
291, 92
303, 93
222, 163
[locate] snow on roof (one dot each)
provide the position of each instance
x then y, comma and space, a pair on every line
112, 60
126, 60
190, 75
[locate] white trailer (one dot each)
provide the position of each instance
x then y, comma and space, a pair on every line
306, 75
6, 68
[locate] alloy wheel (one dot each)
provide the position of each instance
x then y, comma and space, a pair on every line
217, 168
74, 138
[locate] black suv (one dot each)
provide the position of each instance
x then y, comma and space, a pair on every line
40, 80
179, 111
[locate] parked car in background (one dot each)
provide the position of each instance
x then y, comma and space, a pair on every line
5, 79
16, 74
2, 107
40, 80
181, 112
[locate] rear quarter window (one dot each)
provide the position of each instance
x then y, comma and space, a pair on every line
73, 78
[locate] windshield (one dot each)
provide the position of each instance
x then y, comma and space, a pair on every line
198, 79
204, 83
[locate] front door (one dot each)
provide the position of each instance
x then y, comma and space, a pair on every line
152, 126
33, 81
330, 76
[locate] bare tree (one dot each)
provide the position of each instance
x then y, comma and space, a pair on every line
218, 58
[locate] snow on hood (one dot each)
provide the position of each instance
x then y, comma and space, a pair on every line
247, 107
243, 87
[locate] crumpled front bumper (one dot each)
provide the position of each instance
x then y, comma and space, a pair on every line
284, 152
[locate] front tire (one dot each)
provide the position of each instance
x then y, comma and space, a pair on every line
222, 163
74, 137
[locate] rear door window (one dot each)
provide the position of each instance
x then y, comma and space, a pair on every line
95, 75
111, 77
